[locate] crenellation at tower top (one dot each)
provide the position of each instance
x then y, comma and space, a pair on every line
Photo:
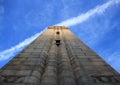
57, 27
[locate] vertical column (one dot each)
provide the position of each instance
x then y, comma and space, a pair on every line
66, 76
27, 67
88, 67
50, 72
80, 75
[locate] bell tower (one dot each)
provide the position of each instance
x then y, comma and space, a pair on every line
58, 57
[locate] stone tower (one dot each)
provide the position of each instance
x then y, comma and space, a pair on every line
57, 57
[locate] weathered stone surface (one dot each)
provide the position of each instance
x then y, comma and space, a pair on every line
45, 63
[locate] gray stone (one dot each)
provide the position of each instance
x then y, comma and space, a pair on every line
70, 63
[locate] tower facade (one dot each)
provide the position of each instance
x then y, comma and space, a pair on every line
57, 57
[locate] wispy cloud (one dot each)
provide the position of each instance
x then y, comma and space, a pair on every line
1, 9
83, 17
6, 54
70, 22
114, 60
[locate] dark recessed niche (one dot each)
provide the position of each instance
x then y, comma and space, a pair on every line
57, 42
57, 33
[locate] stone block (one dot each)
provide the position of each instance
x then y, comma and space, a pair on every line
23, 72
31, 80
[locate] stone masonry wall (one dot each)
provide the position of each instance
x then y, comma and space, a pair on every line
57, 57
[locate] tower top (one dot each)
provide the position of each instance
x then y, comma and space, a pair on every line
57, 27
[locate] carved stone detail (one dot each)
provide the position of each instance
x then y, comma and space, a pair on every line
105, 78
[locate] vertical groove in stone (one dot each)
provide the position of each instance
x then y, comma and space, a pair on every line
78, 71
49, 77
47, 55
40, 64
88, 67
28, 67
66, 76
65, 72
57, 57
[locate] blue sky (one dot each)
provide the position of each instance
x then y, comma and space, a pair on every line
95, 22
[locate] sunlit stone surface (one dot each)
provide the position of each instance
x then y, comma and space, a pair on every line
57, 57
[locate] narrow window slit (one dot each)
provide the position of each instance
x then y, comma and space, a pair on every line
57, 33
57, 42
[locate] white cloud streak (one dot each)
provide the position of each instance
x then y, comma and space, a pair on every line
85, 16
114, 60
6, 54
